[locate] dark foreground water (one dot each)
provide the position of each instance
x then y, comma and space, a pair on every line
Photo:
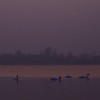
45, 89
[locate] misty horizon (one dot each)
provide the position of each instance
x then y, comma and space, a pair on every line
53, 50
49, 56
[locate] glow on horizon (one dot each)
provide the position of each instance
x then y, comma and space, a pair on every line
49, 71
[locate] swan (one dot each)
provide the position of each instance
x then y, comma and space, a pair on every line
85, 77
56, 78
16, 78
68, 76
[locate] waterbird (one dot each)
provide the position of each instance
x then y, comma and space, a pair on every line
56, 78
68, 76
85, 77
59, 78
16, 78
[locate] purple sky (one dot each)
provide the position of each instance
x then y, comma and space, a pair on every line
32, 25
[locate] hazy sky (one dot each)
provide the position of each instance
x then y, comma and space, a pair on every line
32, 25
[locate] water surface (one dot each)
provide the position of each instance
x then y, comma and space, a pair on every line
45, 89
35, 84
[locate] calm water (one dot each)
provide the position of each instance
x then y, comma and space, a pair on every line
45, 89
35, 84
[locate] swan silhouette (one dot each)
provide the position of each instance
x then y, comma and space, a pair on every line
85, 77
16, 78
68, 76
56, 78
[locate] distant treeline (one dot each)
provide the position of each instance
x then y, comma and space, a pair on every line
48, 57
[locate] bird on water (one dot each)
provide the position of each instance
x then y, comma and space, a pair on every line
68, 76
56, 78
84, 77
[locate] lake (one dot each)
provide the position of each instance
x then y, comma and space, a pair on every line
49, 71
35, 84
